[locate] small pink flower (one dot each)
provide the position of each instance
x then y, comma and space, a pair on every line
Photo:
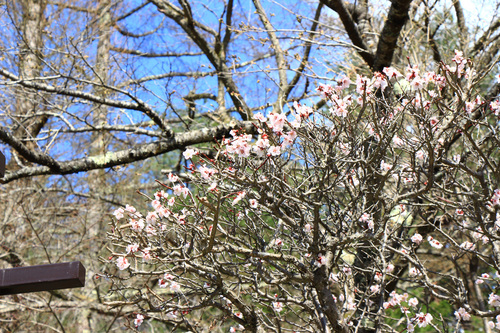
173, 178
320, 261
347, 270
423, 319
494, 300
118, 213
259, 116
131, 248
122, 263
212, 187
274, 150
175, 287
417, 238
254, 203
462, 314
137, 225
374, 289
130, 209
151, 217
434, 243
276, 121
467, 246
414, 272
391, 72
189, 153
146, 254
278, 306
398, 142
385, 166
168, 276
138, 320
239, 196
413, 302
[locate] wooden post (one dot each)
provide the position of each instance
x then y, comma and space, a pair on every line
2, 165
41, 277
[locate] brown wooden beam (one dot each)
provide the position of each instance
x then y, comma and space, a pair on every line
2, 164
42, 278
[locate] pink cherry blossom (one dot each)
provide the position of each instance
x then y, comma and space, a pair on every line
175, 287
325, 90
417, 238
259, 116
130, 209
212, 187
398, 142
320, 261
173, 178
137, 225
494, 300
278, 242
412, 72
302, 110
468, 246
162, 283
253, 203
434, 242
131, 248
385, 166
189, 153
422, 319
278, 306
413, 302
122, 263
413, 272
138, 320
118, 213
274, 150
391, 72
206, 173
239, 196
462, 314
277, 121
152, 217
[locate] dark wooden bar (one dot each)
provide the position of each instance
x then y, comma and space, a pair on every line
2, 164
42, 278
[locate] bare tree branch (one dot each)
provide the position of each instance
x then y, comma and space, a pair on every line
122, 157
186, 21
139, 105
461, 23
307, 52
351, 29
396, 19
280, 57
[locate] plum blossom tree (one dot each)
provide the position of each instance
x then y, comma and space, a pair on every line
377, 213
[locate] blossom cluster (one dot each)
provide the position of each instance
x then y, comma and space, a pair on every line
357, 200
